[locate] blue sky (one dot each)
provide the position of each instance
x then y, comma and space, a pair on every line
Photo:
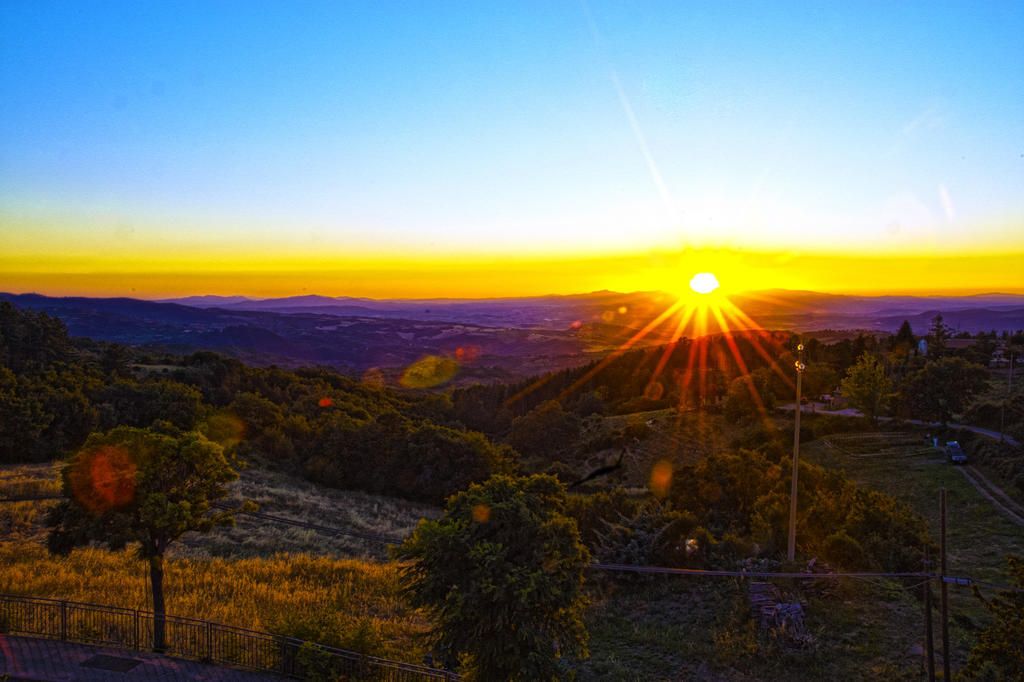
518, 128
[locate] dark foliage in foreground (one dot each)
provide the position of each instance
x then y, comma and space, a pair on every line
732, 506
502, 574
999, 645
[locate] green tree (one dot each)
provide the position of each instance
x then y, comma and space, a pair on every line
938, 333
544, 431
904, 337
23, 417
819, 378
999, 645
750, 395
502, 574
942, 388
30, 341
140, 486
139, 404
866, 387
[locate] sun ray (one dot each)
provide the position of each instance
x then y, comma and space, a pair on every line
620, 350
672, 344
698, 314
529, 389
731, 342
689, 371
756, 345
702, 362
604, 363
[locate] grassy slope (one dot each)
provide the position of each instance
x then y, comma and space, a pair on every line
978, 536
256, 576
700, 629
294, 498
662, 628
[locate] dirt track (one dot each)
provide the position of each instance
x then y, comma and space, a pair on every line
1010, 508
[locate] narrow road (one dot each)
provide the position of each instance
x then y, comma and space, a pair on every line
850, 412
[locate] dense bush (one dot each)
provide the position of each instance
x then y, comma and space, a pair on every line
502, 575
415, 460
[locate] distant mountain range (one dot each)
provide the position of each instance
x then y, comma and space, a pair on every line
771, 309
492, 338
809, 310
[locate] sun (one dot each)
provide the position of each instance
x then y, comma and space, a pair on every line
704, 283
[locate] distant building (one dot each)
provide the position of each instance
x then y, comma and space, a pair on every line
999, 357
832, 402
960, 344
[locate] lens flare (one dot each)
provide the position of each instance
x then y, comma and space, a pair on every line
224, 428
467, 354
661, 478
326, 402
428, 372
103, 479
654, 390
481, 513
704, 283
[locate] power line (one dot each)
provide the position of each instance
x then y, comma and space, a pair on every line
372, 537
749, 574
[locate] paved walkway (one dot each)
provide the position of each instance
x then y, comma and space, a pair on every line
31, 658
850, 412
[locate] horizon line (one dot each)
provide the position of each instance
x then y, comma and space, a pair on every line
908, 293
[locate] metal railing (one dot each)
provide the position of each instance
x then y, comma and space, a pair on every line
199, 639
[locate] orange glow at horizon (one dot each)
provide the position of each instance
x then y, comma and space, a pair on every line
426, 276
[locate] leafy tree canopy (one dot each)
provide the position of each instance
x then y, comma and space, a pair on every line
866, 387
942, 388
750, 395
545, 431
502, 574
138, 485
141, 486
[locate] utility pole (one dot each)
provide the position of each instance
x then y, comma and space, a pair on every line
800, 367
928, 639
1009, 387
942, 576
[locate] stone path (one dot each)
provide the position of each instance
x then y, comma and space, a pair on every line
31, 658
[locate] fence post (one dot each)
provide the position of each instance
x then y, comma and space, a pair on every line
209, 640
284, 656
136, 612
64, 620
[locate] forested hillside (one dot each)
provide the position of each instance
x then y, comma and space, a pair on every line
669, 456
54, 392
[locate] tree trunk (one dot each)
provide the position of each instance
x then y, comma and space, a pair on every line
156, 575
